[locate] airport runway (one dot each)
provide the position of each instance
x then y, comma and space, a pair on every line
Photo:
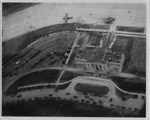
42, 15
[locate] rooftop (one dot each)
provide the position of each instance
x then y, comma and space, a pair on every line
91, 54
112, 56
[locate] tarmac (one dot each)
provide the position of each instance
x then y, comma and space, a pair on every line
46, 14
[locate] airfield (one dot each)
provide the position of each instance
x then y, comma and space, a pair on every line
42, 60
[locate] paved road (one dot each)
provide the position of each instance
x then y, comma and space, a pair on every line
64, 67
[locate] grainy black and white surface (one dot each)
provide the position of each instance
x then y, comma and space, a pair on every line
74, 59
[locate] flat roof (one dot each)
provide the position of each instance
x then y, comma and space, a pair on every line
91, 54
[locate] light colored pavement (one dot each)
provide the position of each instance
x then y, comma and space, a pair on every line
77, 37
95, 30
43, 15
68, 58
105, 100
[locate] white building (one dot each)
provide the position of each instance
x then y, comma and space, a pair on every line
114, 61
95, 61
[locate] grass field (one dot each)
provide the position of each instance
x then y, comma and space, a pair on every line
44, 76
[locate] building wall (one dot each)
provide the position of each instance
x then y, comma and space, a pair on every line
115, 65
99, 67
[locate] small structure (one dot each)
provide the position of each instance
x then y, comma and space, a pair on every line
109, 20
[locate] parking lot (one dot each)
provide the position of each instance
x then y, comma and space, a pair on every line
51, 51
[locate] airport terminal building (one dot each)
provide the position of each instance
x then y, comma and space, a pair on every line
97, 61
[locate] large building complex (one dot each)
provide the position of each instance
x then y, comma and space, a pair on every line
88, 58
96, 61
